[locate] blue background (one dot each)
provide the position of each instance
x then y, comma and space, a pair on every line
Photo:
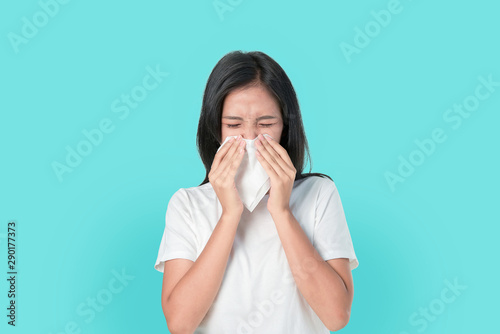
360, 112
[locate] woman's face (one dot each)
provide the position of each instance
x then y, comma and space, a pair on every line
250, 111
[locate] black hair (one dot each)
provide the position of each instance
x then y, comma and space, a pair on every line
239, 69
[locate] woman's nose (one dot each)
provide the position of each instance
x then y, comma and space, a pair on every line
249, 135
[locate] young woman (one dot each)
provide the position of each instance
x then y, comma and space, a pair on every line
286, 266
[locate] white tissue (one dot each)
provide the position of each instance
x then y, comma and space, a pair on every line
251, 179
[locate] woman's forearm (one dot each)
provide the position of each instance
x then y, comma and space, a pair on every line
193, 295
322, 287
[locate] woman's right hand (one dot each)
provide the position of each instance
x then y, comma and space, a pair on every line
222, 173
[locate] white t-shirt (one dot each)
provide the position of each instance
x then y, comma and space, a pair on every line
258, 293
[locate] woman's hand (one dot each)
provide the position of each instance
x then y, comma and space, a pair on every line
222, 173
278, 165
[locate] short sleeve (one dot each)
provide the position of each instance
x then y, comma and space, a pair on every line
179, 237
332, 239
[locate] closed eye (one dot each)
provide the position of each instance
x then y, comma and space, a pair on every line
235, 125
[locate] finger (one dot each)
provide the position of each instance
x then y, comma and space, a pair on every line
226, 161
267, 167
236, 156
218, 166
231, 151
272, 157
280, 150
221, 153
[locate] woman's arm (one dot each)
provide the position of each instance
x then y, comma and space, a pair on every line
327, 287
186, 303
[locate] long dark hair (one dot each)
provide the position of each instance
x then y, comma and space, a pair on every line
239, 69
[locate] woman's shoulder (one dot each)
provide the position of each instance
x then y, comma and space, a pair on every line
195, 192
316, 180
316, 184
201, 190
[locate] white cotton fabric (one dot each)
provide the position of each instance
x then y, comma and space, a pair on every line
251, 179
258, 293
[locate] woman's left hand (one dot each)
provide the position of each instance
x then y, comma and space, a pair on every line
278, 165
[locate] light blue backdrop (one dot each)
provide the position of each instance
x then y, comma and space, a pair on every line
400, 102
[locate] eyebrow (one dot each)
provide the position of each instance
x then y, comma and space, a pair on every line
258, 119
